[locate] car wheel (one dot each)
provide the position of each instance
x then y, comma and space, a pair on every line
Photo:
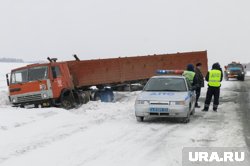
140, 118
193, 111
186, 119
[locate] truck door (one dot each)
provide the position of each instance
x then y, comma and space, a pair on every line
57, 81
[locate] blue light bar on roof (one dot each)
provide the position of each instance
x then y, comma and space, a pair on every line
177, 72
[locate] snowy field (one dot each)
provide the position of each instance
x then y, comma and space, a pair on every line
108, 133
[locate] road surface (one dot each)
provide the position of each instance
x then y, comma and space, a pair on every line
243, 100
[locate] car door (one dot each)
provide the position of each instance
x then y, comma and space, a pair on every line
192, 94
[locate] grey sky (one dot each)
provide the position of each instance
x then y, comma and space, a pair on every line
35, 29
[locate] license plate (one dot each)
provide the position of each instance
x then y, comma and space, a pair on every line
158, 109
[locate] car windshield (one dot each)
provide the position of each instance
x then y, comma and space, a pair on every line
166, 84
31, 74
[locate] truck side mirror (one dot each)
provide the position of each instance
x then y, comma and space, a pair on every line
7, 79
245, 66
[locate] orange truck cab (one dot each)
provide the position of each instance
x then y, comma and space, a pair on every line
40, 84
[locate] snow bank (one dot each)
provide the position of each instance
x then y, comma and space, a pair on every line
4, 100
248, 73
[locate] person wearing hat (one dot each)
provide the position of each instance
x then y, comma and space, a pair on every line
200, 82
214, 78
190, 75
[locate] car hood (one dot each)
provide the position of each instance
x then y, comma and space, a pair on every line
164, 96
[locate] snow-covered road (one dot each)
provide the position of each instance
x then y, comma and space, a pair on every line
108, 133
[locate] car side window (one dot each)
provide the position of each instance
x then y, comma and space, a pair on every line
56, 71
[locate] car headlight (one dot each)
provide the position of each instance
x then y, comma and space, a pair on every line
44, 96
141, 102
14, 100
177, 103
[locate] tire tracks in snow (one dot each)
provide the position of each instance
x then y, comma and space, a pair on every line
46, 141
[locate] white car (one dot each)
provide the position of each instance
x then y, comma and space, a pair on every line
166, 96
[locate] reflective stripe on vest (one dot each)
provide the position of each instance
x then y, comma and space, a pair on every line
189, 75
214, 78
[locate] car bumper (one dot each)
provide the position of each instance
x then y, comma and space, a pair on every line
173, 111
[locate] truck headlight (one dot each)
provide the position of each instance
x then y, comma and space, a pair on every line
14, 100
177, 103
243, 72
228, 72
44, 95
141, 102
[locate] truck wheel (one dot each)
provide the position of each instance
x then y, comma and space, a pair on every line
84, 97
107, 95
38, 106
97, 97
67, 102
139, 118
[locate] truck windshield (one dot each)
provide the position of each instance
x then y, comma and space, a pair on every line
38, 73
19, 76
31, 74
234, 66
166, 84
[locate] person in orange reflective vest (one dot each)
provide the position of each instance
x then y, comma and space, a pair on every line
214, 78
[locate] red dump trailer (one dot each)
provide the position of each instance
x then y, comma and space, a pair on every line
70, 82
130, 69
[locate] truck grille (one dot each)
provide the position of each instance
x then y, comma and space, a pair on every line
235, 72
29, 98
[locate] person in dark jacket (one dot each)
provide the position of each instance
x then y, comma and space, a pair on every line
190, 75
214, 78
200, 82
